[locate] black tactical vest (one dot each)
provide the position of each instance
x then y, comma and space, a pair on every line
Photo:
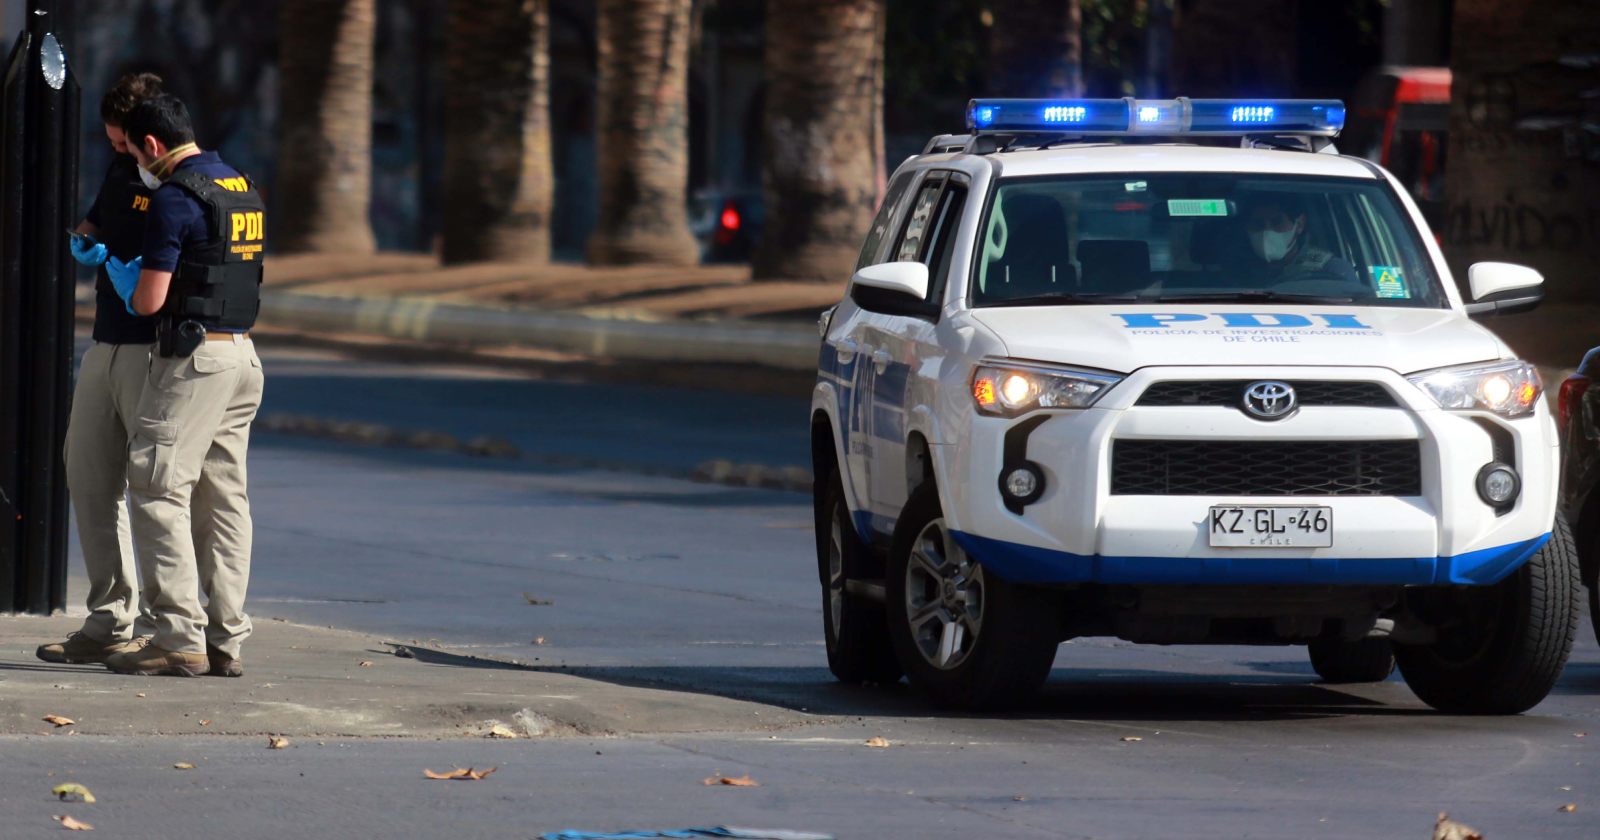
219, 283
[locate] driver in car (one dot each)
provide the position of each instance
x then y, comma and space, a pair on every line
1275, 224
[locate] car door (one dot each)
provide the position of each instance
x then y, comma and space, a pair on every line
842, 359
896, 347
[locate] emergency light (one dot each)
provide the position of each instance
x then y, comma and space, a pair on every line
1133, 117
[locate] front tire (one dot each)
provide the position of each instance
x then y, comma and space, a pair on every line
853, 627
1338, 661
1500, 648
966, 638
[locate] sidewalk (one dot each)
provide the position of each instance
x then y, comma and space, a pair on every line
306, 682
697, 314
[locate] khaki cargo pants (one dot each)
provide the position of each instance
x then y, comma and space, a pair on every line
186, 488
110, 382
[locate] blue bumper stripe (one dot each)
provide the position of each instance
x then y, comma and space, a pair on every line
1029, 564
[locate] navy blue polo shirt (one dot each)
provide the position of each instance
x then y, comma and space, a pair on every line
177, 221
118, 215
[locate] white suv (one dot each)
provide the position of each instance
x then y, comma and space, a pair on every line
1098, 375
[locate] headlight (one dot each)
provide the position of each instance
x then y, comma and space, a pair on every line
1012, 389
1509, 389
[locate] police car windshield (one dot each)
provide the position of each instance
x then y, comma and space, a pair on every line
1185, 237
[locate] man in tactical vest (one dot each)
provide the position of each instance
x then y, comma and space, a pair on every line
110, 381
200, 272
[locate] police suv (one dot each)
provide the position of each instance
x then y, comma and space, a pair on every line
1179, 372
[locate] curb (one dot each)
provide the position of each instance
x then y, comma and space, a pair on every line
788, 346
726, 473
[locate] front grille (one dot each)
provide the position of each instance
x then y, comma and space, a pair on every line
1230, 392
1251, 468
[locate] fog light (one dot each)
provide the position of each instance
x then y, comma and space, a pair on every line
1022, 484
1498, 484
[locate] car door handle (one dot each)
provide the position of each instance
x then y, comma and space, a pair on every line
881, 359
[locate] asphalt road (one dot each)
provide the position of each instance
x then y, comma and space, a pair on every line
711, 591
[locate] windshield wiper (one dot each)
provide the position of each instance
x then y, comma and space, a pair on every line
1063, 299
1253, 296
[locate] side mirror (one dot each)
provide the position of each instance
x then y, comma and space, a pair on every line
1503, 288
896, 288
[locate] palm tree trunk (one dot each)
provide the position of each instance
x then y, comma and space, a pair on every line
1036, 49
824, 136
1524, 159
643, 134
498, 176
324, 181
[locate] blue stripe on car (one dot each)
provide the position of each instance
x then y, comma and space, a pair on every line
1031, 564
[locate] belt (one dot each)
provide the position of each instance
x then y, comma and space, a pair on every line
236, 338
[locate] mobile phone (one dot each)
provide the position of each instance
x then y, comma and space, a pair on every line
79, 238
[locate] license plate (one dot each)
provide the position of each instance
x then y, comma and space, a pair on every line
1275, 526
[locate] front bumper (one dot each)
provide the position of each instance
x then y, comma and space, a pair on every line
1079, 531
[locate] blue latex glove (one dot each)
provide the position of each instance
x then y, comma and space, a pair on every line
125, 278
87, 251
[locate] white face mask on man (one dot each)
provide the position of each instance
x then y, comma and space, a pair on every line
1272, 245
150, 181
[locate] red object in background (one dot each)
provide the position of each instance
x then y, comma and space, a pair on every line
730, 218
1572, 390
1419, 86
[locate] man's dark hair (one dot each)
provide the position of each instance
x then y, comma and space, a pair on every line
164, 117
128, 92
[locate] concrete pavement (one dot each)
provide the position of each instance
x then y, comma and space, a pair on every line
684, 620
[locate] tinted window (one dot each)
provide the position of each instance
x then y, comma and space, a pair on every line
1161, 236
882, 221
920, 222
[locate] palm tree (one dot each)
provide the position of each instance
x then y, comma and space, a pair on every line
643, 134
325, 131
1036, 49
823, 147
498, 178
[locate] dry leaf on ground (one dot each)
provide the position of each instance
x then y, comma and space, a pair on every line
732, 781
539, 640
71, 824
69, 790
183, 765
878, 743
1131, 738
277, 742
365, 663
58, 720
1568, 808
205, 723
1448, 829
462, 773
537, 602
500, 730
140, 694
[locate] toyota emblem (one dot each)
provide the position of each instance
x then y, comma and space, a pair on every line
1269, 400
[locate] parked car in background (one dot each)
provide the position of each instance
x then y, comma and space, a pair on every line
1579, 416
727, 223
1400, 120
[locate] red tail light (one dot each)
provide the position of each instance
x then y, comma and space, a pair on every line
1572, 390
730, 218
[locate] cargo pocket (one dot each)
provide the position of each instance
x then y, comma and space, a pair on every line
152, 457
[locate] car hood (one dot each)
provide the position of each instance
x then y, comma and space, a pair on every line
1125, 338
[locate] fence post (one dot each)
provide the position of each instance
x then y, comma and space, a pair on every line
38, 192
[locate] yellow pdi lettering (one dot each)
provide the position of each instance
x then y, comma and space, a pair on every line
233, 184
248, 226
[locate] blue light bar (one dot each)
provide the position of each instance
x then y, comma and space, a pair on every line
1156, 117
1072, 116
1289, 116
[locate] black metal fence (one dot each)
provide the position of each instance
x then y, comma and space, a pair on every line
38, 184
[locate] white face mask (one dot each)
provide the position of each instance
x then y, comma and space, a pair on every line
1272, 245
150, 181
